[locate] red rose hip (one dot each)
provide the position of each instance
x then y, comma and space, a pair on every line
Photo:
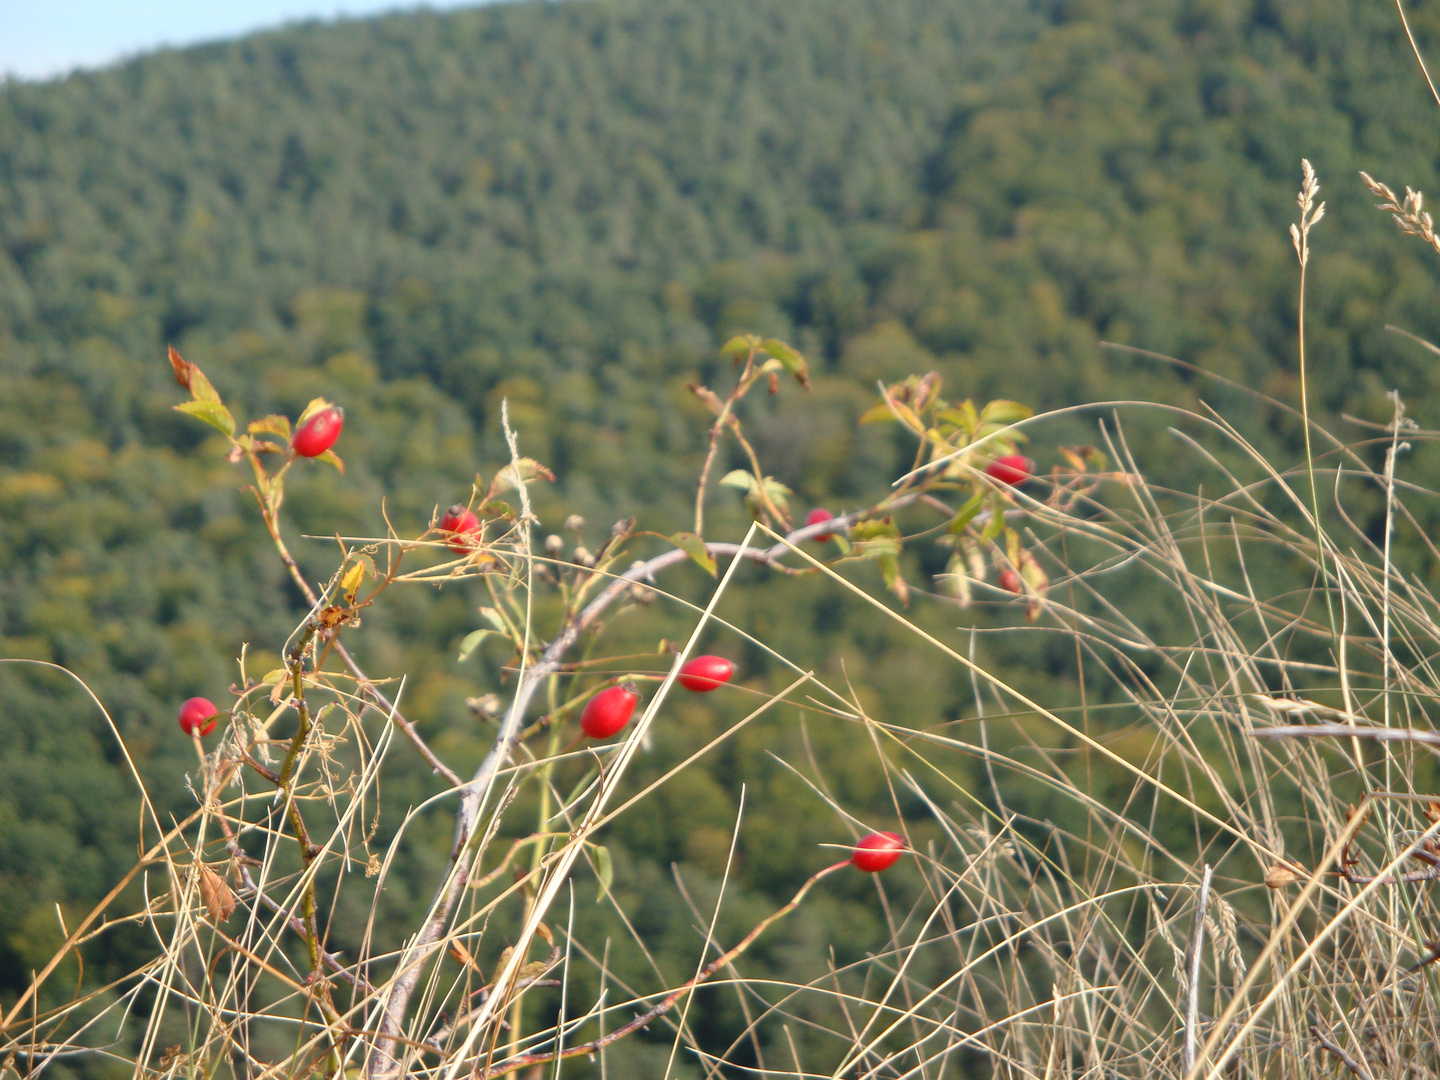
878, 851
198, 716
1011, 469
463, 527
1010, 580
608, 711
319, 432
815, 517
705, 673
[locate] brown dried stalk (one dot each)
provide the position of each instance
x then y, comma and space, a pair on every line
382, 1062
666, 1003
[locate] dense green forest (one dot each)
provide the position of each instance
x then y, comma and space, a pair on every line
570, 206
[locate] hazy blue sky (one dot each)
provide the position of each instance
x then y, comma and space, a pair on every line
39, 38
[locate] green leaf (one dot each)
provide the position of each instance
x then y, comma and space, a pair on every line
892, 410
200, 386
497, 620
212, 412
792, 360
890, 569
962, 418
496, 508
961, 520
694, 546
739, 479
518, 473
273, 424
875, 539
1001, 411
604, 869
739, 346
331, 458
779, 494
996, 524
472, 641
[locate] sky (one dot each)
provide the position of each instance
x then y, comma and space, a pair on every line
43, 38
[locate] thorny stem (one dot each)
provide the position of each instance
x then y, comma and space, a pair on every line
720, 420
726, 416
382, 1062
308, 851
272, 526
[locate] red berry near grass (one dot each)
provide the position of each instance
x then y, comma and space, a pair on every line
463, 527
1010, 580
878, 851
815, 517
1011, 469
705, 673
608, 711
198, 716
318, 433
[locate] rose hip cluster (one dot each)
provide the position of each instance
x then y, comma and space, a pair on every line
610, 710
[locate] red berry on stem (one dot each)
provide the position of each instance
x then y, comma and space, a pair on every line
878, 851
1010, 580
705, 673
198, 716
319, 432
815, 517
463, 525
1011, 469
608, 711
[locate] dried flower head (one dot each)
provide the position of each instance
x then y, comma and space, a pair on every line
1410, 215
1310, 213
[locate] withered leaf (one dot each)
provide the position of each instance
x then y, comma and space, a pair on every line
218, 899
1279, 875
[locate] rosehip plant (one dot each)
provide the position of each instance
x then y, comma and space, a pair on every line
537, 610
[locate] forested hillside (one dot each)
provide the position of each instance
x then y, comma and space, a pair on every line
570, 206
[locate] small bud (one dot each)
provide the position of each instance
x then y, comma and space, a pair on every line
642, 594
554, 545
583, 557
487, 707
575, 524
622, 528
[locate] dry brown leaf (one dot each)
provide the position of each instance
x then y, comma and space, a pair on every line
219, 900
463, 956
1279, 875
